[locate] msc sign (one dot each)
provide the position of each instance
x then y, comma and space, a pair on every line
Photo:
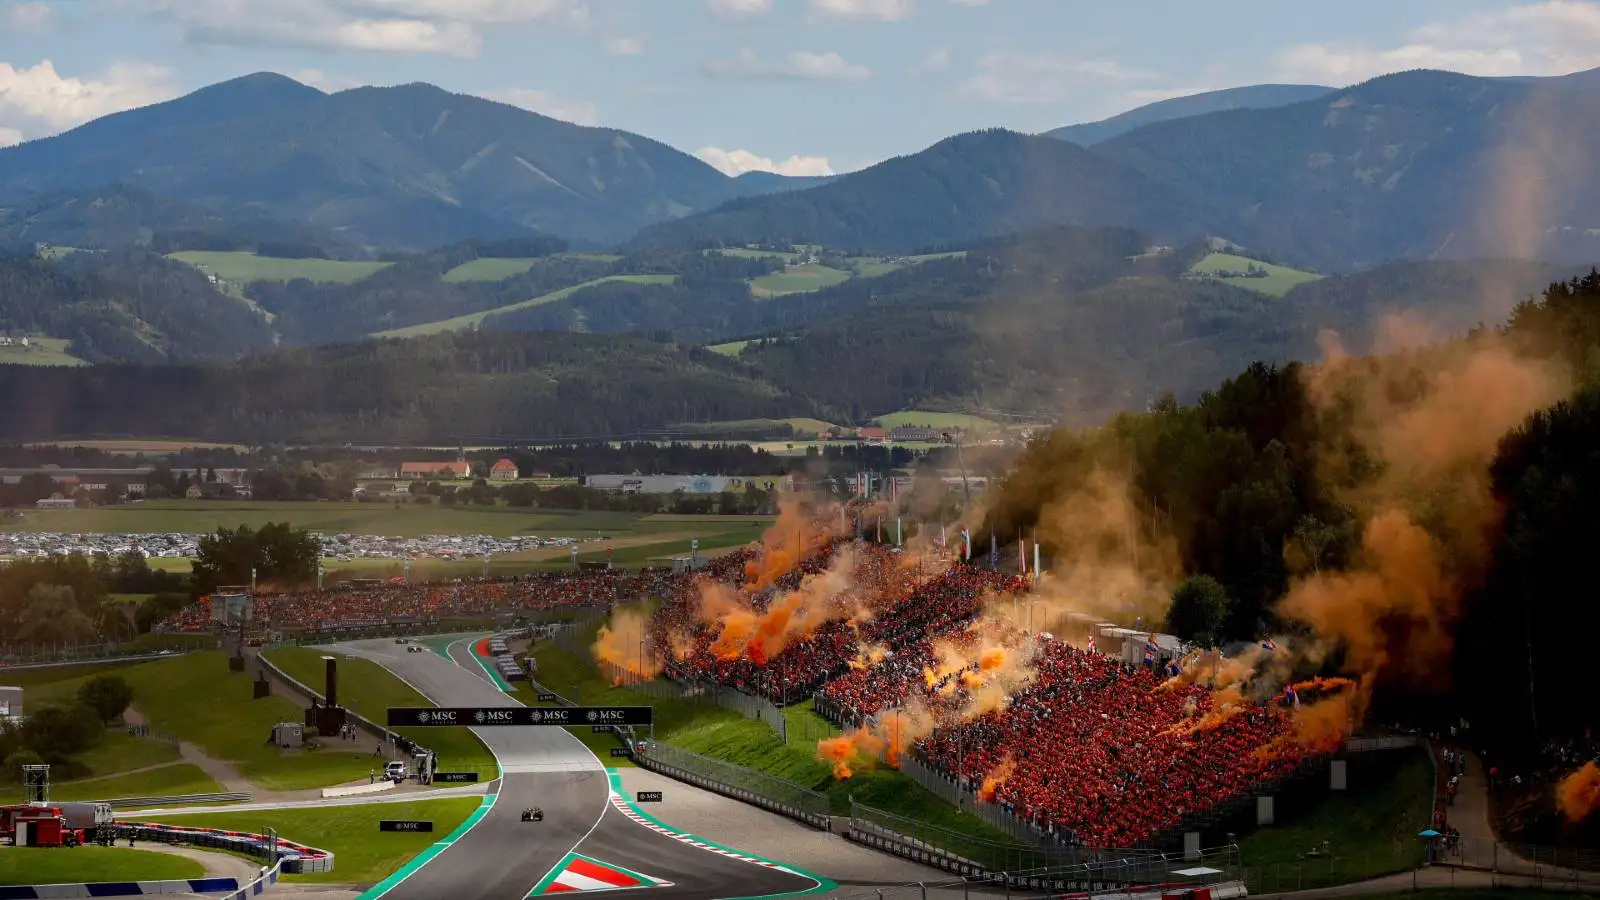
404, 825
427, 716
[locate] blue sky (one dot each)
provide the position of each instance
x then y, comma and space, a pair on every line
800, 86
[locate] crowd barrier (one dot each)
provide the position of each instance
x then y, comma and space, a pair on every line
177, 800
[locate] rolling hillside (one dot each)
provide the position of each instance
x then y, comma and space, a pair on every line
1254, 96
410, 166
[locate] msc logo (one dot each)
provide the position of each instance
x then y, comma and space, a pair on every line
496, 715
613, 715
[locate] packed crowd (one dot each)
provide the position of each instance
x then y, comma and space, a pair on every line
1100, 754
418, 602
893, 601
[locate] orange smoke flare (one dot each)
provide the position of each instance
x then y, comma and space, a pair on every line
1578, 795
622, 644
992, 781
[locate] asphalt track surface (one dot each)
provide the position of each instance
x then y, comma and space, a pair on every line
504, 858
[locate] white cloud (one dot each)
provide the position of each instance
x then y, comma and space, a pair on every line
324, 81
737, 162
38, 101
1042, 78
446, 27
735, 9
876, 10
544, 103
9, 136
1554, 37
28, 17
800, 65
624, 46
936, 60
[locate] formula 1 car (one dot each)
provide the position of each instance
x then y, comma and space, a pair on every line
533, 814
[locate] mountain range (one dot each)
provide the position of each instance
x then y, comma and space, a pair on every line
1419, 164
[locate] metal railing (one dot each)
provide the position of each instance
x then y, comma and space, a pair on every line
153, 734
756, 788
178, 800
962, 797
681, 689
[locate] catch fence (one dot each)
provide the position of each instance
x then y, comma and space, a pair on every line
22, 655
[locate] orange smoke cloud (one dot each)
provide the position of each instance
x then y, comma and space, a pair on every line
888, 736
1578, 795
793, 538
992, 781
760, 635
622, 644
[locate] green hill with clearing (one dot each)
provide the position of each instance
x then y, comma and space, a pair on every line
473, 320
1277, 281
243, 266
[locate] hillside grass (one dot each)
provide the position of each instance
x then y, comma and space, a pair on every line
243, 266
369, 689
489, 269
175, 780
731, 348
915, 418
362, 853
752, 253
797, 280
41, 351
52, 865
473, 320
713, 731
1279, 280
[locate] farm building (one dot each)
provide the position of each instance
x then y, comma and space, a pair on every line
458, 469
503, 470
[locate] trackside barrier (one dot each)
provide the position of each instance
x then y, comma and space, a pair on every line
266, 879
178, 800
296, 859
121, 889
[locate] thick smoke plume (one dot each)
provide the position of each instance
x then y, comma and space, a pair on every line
1430, 421
1578, 795
624, 644
760, 635
794, 537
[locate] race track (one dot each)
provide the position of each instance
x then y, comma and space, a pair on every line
503, 858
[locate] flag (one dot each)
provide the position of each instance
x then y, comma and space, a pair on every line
1269, 645
1290, 696
1151, 649
1091, 643
966, 545
994, 552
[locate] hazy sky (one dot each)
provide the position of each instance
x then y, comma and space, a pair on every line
801, 86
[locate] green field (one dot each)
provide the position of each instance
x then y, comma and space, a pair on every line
369, 689
714, 731
913, 418
53, 865
797, 280
176, 780
1279, 280
240, 266
732, 348
41, 351
196, 699
1371, 829
120, 751
489, 270
472, 320
362, 854
752, 253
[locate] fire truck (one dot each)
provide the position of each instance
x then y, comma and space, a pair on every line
53, 824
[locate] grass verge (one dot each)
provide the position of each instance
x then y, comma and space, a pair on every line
175, 780
369, 689
53, 865
725, 735
1370, 830
362, 854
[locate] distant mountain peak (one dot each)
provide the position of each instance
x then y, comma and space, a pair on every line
1255, 96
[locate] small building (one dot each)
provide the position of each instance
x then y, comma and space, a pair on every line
57, 503
457, 469
10, 703
288, 735
872, 434
503, 470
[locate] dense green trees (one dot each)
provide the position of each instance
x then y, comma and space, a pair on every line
108, 695
276, 554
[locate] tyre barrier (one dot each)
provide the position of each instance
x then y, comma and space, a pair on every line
296, 859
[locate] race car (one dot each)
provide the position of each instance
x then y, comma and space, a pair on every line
533, 814
413, 648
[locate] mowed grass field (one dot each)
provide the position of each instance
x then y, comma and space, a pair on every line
241, 266
369, 689
797, 280
1279, 281
913, 418
41, 351
489, 270
53, 865
362, 853
472, 320
148, 446
731, 348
